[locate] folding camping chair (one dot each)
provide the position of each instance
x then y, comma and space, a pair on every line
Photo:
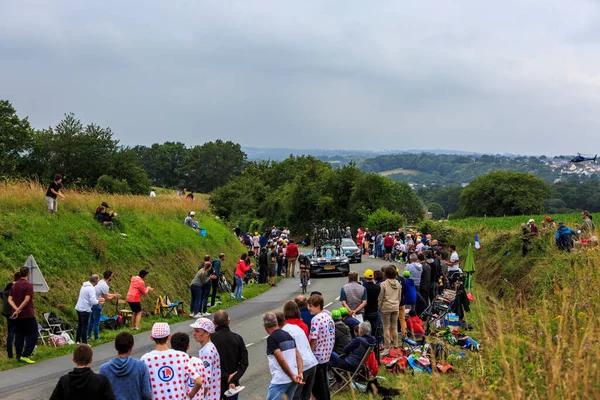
124, 313
343, 378
166, 308
56, 328
43, 334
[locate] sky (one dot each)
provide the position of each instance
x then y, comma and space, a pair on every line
517, 76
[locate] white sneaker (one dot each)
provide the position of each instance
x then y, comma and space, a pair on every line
308, 282
206, 314
243, 298
300, 285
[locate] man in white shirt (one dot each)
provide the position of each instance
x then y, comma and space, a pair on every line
285, 362
87, 299
170, 370
152, 193
309, 362
101, 290
454, 270
203, 327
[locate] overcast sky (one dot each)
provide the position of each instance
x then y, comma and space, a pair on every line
519, 76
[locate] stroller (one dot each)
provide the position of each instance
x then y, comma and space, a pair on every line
435, 313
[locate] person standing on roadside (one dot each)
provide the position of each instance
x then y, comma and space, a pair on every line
285, 361
388, 244
52, 192
353, 296
389, 305
20, 299
292, 256
272, 265
203, 328
128, 377
240, 271
216, 265
101, 290
322, 340
7, 312
87, 299
305, 314
309, 362
262, 265
372, 307
232, 353
137, 289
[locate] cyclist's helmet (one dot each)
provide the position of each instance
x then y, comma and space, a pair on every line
335, 314
406, 274
343, 311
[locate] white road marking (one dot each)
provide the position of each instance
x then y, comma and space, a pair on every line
337, 298
249, 344
266, 337
327, 305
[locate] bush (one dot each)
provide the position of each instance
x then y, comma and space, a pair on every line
384, 220
108, 184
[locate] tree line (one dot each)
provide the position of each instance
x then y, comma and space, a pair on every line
300, 191
512, 193
89, 157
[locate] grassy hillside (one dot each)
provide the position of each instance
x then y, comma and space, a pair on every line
71, 245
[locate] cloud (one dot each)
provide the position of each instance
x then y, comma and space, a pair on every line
518, 77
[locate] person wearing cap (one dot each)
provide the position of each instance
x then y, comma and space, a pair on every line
349, 320
533, 228
189, 220
353, 296
233, 354
169, 369
342, 332
372, 307
548, 223
203, 328
137, 289
408, 300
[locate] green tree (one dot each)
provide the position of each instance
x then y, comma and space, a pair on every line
384, 220
15, 138
504, 193
213, 164
437, 210
165, 163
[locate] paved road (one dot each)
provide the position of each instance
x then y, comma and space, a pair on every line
36, 382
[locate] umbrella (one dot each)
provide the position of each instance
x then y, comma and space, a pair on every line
469, 268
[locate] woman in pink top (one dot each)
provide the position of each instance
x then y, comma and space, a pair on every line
137, 288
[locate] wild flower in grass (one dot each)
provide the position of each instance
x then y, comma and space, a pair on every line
559, 317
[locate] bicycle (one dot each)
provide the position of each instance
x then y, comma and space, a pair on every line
304, 280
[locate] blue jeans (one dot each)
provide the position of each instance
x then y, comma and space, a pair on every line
239, 285
204, 293
94, 323
276, 392
196, 295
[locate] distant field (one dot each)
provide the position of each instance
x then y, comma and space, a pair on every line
399, 171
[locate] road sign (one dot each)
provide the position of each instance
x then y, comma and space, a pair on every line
35, 276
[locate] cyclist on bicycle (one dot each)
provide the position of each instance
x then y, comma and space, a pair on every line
304, 262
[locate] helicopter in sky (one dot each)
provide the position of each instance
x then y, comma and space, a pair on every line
579, 158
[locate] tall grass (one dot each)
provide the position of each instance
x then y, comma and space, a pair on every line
71, 245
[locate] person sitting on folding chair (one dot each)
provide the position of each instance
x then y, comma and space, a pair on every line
355, 351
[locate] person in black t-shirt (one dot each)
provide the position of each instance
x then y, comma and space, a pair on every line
52, 192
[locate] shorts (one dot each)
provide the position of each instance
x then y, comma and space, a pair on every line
271, 270
388, 249
136, 307
51, 203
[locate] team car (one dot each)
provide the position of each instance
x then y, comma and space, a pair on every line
329, 259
